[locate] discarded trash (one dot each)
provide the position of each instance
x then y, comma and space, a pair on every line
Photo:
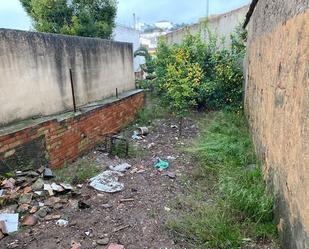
171, 158
174, 126
10, 221
142, 131
3, 229
107, 182
121, 167
161, 165
1, 192
115, 246
62, 223
167, 209
150, 146
48, 173
135, 136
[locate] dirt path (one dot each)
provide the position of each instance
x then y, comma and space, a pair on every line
136, 224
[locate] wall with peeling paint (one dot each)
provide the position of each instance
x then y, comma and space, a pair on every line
35, 78
277, 106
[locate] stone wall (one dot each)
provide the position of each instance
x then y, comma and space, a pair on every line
61, 139
223, 25
277, 106
35, 78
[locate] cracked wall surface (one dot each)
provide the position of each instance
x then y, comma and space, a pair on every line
277, 106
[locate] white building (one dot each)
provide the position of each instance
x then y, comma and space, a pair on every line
150, 40
164, 24
127, 34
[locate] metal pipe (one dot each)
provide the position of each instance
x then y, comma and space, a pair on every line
72, 88
117, 93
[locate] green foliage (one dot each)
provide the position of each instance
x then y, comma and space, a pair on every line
149, 66
241, 206
195, 73
90, 18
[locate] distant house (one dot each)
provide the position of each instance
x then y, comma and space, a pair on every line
150, 40
127, 34
164, 25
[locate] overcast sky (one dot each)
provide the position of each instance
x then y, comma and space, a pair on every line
13, 16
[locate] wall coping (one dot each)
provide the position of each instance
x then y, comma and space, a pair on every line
82, 110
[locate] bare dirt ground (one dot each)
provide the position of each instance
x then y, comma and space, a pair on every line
135, 223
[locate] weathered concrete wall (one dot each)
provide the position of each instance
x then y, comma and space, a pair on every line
35, 79
277, 105
223, 25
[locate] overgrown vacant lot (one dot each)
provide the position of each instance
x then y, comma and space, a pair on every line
217, 199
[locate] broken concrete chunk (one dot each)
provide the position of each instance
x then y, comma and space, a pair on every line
43, 211
57, 187
47, 174
25, 198
48, 187
38, 185
107, 182
33, 210
66, 186
121, 167
30, 220
10, 221
23, 208
8, 183
102, 242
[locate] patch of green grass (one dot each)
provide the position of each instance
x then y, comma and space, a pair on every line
78, 172
241, 207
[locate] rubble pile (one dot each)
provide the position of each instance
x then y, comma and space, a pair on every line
29, 197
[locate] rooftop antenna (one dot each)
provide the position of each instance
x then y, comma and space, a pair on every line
207, 8
134, 21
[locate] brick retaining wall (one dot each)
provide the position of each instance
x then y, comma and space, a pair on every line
58, 141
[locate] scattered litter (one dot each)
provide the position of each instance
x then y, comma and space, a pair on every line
135, 136
115, 246
107, 182
3, 229
10, 221
174, 126
142, 131
1, 192
41, 204
121, 167
162, 165
62, 223
171, 158
39, 193
48, 173
167, 209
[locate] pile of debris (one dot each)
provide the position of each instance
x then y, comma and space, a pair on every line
29, 197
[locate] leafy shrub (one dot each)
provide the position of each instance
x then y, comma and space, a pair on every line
195, 73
